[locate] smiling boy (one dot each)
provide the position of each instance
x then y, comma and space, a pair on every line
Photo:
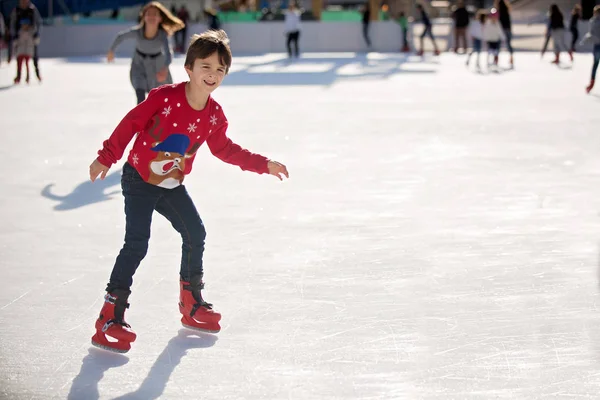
171, 124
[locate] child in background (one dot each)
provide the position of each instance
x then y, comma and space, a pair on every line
493, 35
594, 36
23, 49
171, 125
476, 33
557, 31
403, 22
152, 57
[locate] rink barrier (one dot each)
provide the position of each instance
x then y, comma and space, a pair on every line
90, 40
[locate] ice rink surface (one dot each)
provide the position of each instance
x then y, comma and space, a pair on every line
438, 238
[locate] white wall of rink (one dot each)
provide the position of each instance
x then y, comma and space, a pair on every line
88, 40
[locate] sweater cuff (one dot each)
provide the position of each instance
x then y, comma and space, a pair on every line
103, 160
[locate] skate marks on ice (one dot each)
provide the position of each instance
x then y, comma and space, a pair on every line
93, 367
85, 193
155, 383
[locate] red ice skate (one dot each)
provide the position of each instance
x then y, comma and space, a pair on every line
197, 313
111, 323
590, 86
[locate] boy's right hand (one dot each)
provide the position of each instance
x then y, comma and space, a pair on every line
110, 56
97, 168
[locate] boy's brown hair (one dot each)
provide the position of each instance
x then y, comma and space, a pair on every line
204, 45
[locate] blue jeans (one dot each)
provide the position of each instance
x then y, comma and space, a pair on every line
596, 60
141, 199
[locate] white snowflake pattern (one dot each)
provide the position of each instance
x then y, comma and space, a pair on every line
192, 128
167, 111
213, 120
135, 159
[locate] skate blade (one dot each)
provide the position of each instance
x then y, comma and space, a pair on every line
194, 328
111, 349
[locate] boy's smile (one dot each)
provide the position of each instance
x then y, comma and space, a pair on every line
207, 73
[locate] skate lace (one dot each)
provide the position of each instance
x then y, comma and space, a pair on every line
115, 321
201, 304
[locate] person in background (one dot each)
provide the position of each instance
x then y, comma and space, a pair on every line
427, 31
292, 28
366, 21
504, 10
557, 30
181, 35
2, 30
152, 57
461, 22
573, 27
26, 11
476, 33
23, 49
212, 19
594, 36
493, 35
403, 22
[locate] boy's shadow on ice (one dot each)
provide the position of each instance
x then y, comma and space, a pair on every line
93, 367
85, 193
154, 385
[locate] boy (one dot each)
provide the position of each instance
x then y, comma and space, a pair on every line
173, 122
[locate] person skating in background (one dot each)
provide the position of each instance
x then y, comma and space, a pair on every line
23, 48
504, 16
292, 28
476, 28
573, 26
26, 11
403, 22
547, 38
181, 35
593, 36
427, 31
212, 18
170, 126
366, 22
461, 23
493, 35
152, 57
557, 31
3, 44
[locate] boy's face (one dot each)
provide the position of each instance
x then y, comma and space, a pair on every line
207, 73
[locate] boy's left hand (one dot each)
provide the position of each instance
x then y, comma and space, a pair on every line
278, 169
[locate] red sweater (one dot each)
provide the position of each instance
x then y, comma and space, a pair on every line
169, 132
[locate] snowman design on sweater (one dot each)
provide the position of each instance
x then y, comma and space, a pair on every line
169, 164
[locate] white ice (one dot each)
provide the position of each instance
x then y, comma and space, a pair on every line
437, 239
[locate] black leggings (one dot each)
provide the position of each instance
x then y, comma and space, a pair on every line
293, 37
140, 94
574, 37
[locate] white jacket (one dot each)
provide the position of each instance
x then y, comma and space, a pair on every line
492, 32
476, 30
